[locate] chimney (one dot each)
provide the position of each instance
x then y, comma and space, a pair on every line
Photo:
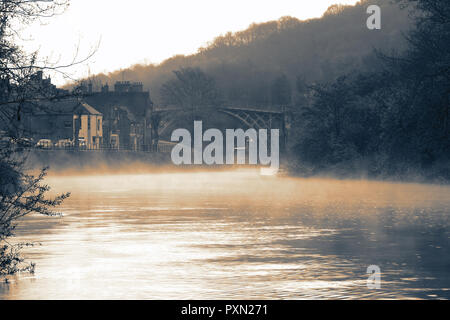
105, 88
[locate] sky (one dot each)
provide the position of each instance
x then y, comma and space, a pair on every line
123, 33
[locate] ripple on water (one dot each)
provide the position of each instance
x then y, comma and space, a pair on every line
237, 236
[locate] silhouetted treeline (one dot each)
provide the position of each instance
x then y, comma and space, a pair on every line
393, 122
246, 65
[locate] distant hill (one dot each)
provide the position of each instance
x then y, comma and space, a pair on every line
244, 64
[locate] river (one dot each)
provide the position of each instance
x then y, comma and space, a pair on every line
236, 235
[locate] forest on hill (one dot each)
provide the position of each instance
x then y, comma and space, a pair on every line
365, 103
246, 64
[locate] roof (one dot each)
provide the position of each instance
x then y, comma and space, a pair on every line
63, 106
89, 108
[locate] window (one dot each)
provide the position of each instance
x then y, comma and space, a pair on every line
89, 122
67, 124
98, 124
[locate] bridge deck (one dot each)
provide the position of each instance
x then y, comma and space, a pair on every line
246, 108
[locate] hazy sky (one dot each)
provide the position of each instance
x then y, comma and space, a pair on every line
137, 31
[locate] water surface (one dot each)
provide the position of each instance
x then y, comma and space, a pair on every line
237, 235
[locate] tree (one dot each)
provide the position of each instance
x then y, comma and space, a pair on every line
396, 119
420, 115
190, 88
21, 193
326, 121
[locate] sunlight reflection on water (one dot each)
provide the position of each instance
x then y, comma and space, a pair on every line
237, 235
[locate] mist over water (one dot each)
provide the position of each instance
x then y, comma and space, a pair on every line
236, 235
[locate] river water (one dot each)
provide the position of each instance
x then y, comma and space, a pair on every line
236, 235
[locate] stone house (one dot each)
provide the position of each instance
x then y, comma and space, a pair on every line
67, 119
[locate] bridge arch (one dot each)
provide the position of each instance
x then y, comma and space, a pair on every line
256, 118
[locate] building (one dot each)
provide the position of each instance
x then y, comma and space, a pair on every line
122, 130
98, 118
67, 119
127, 86
43, 86
90, 124
126, 112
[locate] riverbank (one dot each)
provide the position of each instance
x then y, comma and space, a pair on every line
62, 162
369, 169
66, 163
